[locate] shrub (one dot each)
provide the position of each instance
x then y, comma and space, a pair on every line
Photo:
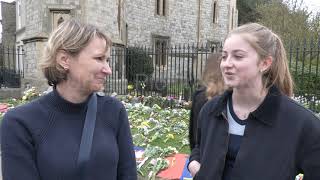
307, 89
308, 83
139, 65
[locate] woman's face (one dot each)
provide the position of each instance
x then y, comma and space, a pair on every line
89, 69
240, 64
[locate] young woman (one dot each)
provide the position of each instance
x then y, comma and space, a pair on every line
211, 85
255, 130
41, 140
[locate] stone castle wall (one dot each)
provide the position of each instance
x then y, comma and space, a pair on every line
128, 22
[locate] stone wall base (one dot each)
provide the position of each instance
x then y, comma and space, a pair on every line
10, 93
40, 84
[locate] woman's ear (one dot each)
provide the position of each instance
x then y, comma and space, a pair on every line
63, 59
266, 64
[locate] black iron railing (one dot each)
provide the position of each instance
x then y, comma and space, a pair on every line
11, 66
176, 71
166, 71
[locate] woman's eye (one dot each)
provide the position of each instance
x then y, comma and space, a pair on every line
238, 56
100, 58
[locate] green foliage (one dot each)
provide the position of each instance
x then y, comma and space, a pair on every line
162, 102
139, 65
166, 102
161, 131
309, 102
304, 53
12, 102
306, 77
247, 10
305, 70
314, 23
306, 83
184, 90
28, 95
288, 19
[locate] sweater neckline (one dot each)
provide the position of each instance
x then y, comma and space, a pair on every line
58, 102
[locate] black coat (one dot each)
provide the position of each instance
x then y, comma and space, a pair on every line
281, 139
199, 98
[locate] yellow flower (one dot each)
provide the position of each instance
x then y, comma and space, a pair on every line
145, 123
24, 98
170, 136
130, 87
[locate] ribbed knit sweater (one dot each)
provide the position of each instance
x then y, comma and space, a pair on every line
40, 141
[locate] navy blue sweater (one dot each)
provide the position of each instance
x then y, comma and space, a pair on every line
40, 141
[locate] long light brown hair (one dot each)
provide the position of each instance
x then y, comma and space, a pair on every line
211, 77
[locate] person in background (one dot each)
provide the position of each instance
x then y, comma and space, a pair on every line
211, 85
255, 130
41, 139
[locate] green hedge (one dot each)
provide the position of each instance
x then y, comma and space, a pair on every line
139, 65
306, 84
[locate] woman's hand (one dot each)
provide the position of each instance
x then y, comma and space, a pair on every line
194, 167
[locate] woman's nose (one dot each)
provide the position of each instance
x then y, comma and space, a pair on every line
107, 69
227, 62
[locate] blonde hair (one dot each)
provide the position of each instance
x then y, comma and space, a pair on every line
211, 77
70, 36
267, 43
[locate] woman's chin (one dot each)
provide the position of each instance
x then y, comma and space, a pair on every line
229, 85
97, 87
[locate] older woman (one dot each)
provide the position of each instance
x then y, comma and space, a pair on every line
42, 140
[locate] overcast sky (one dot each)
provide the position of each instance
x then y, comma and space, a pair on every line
313, 5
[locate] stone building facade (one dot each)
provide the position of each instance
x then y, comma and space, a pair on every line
8, 23
8, 34
128, 22
184, 21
